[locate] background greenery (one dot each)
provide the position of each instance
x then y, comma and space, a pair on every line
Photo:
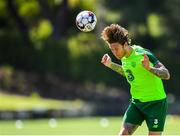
79, 126
43, 52
50, 69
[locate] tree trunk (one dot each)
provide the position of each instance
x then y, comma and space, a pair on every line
19, 21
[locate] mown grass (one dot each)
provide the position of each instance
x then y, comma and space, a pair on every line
66, 126
79, 126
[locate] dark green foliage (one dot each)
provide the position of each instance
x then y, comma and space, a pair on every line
47, 42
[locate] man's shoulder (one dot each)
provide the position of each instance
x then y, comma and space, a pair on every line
139, 49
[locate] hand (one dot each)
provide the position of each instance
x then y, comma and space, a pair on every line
145, 62
106, 60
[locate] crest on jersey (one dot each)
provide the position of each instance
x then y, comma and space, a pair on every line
155, 123
133, 64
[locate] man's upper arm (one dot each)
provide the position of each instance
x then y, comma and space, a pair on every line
152, 57
159, 69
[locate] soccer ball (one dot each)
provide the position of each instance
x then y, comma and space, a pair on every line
86, 21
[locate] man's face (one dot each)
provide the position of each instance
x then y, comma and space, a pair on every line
117, 49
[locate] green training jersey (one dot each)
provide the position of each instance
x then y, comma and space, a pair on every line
145, 86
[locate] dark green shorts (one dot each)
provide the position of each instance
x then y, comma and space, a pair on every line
153, 112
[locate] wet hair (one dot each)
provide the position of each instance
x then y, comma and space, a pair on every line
115, 33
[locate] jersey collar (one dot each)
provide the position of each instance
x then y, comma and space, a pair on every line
131, 55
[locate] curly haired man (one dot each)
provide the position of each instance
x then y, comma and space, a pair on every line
144, 72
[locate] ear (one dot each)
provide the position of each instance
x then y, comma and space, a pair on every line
125, 45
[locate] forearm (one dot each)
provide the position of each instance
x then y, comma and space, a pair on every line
161, 72
116, 67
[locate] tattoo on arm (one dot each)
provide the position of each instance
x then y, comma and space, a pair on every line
116, 67
160, 70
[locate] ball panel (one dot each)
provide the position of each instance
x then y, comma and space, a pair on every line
86, 21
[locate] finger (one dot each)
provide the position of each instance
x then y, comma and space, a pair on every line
104, 58
102, 61
145, 57
143, 62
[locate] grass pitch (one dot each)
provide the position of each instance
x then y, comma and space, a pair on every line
79, 126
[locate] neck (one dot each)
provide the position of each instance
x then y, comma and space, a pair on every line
129, 50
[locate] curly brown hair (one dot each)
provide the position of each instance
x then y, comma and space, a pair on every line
115, 33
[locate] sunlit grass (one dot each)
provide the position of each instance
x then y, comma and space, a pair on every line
17, 102
79, 126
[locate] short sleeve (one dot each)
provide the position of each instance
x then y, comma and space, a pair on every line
152, 57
